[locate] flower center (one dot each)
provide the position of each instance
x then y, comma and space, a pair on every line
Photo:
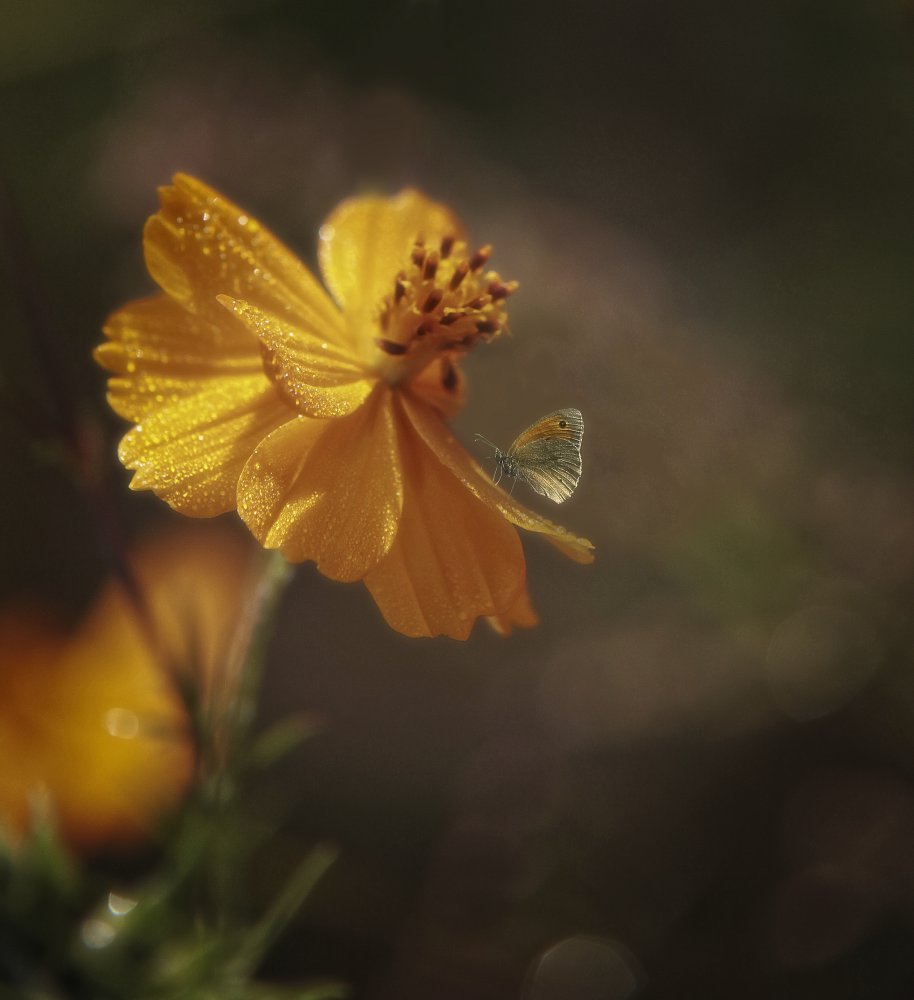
441, 305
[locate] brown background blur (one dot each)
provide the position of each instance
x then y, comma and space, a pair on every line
695, 777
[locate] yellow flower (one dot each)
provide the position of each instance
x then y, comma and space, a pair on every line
90, 721
323, 420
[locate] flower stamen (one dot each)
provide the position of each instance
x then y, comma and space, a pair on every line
443, 302
431, 266
460, 272
390, 346
434, 300
480, 258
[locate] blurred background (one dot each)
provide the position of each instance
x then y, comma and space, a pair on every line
696, 777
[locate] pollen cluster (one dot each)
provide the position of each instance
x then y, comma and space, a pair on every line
442, 302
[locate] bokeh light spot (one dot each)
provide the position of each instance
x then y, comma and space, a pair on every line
97, 934
122, 723
583, 968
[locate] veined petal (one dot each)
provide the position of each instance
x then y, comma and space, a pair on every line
437, 436
328, 490
191, 452
366, 241
200, 245
453, 559
318, 378
519, 615
160, 353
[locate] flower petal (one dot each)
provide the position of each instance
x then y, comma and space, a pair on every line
120, 752
160, 352
437, 436
191, 452
443, 385
519, 615
366, 241
453, 559
328, 490
200, 245
61, 696
318, 378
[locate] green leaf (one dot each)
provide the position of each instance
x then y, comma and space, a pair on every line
260, 937
281, 739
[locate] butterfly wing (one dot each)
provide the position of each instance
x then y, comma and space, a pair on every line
548, 454
562, 425
555, 477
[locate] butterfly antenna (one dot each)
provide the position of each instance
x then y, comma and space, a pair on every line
485, 440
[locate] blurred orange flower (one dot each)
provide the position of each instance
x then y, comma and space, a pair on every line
91, 724
323, 420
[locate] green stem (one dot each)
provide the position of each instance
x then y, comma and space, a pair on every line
228, 740
258, 627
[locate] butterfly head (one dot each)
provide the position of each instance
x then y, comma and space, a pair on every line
506, 463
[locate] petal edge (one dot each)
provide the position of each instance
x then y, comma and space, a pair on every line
455, 457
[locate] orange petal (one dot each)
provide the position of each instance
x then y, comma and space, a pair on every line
366, 241
199, 245
161, 352
328, 490
318, 378
191, 452
30, 643
453, 559
519, 615
197, 584
121, 753
443, 385
437, 436
93, 728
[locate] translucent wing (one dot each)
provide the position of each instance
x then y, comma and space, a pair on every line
562, 425
548, 454
557, 476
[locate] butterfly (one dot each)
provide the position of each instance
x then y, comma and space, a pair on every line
546, 456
